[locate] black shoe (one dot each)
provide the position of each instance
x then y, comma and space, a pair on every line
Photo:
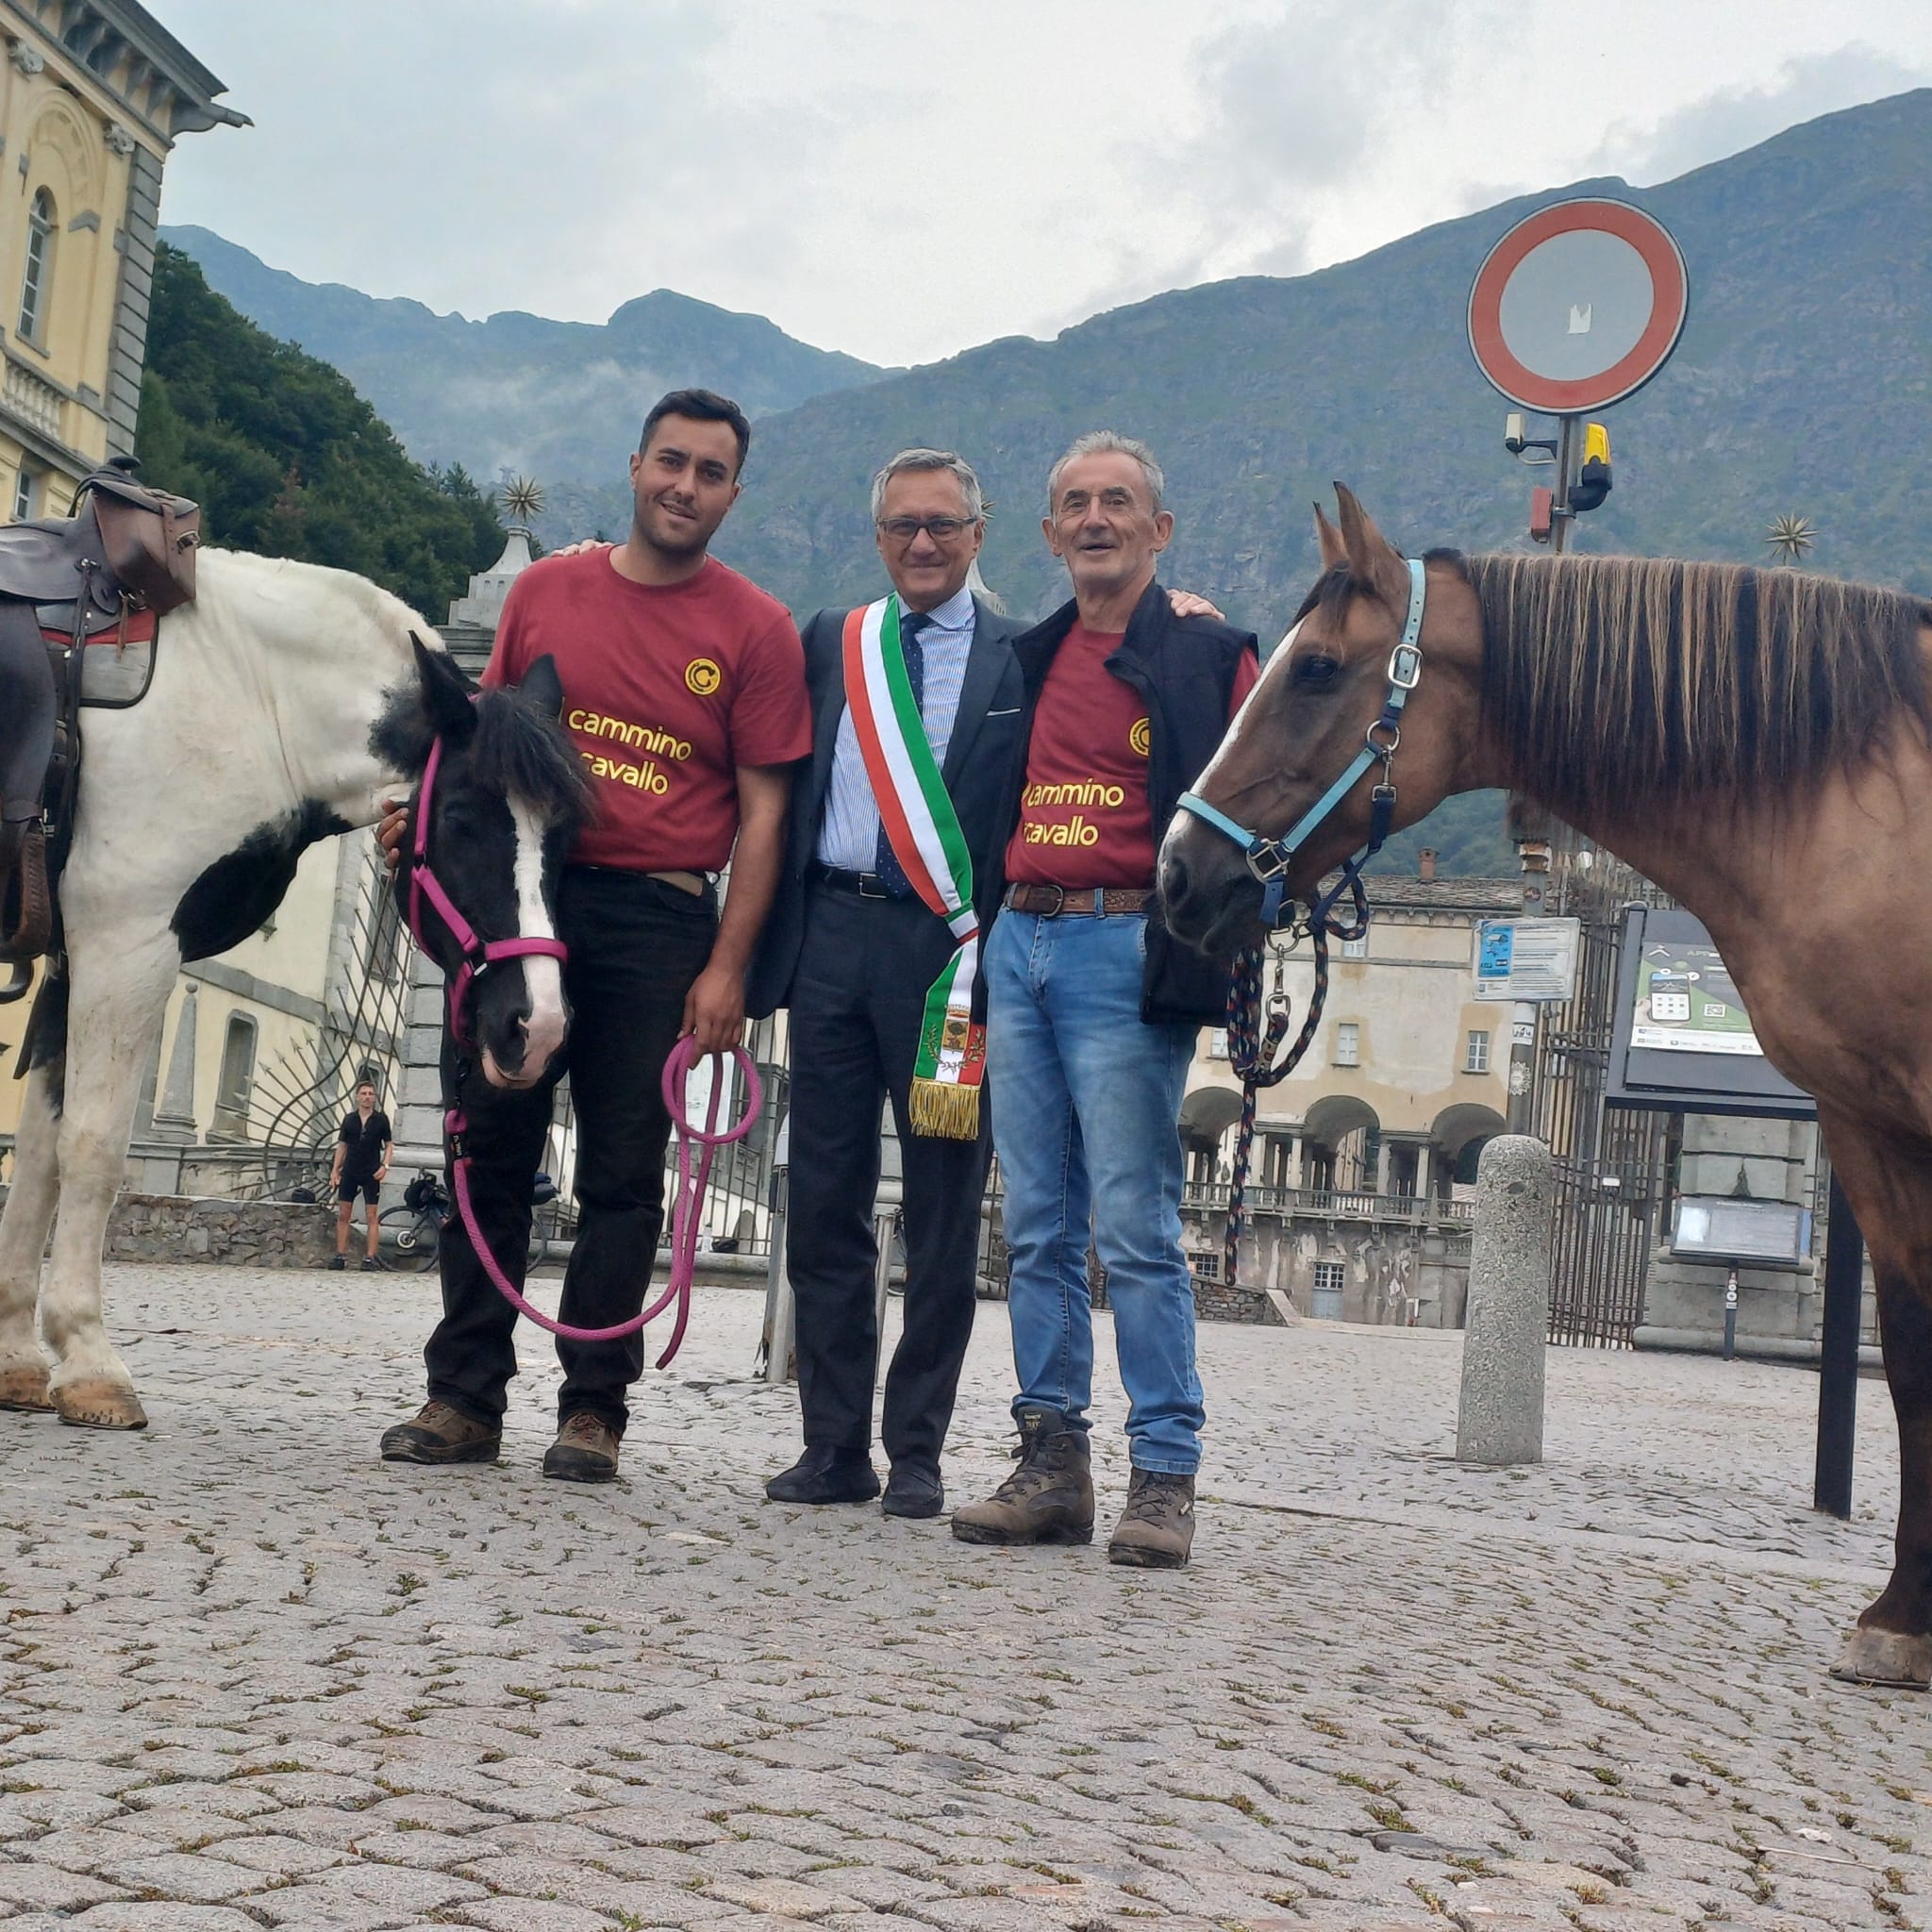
371, 1265
827, 1476
914, 1488
340, 1261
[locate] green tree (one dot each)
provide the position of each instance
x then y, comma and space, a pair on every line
287, 459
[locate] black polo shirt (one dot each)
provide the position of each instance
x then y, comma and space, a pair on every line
365, 1144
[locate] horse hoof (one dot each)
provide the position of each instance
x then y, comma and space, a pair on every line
99, 1406
25, 1389
1886, 1656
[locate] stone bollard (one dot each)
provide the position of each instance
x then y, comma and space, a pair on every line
1501, 1418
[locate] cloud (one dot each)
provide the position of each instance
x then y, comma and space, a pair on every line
1302, 112
1731, 119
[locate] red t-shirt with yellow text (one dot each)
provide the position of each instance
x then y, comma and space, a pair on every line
1085, 817
667, 689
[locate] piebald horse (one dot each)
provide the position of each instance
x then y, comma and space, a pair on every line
287, 702
1757, 741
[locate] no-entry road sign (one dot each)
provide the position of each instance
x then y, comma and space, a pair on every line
1578, 305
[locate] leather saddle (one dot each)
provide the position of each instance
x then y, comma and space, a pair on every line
65, 581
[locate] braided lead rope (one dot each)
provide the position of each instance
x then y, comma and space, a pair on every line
1251, 1056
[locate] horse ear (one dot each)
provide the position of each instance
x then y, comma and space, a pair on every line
1373, 562
543, 687
1328, 541
446, 691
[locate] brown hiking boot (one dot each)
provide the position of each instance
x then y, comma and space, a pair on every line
438, 1433
585, 1451
1048, 1499
1157, 1528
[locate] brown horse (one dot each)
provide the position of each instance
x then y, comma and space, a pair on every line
1758, 742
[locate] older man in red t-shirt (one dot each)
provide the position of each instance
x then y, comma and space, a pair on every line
1092, 1013
684, 690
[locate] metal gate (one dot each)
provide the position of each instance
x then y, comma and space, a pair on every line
1613, 1167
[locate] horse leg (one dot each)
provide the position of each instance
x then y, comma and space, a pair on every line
1889, 1182
118, 1002
23, 1225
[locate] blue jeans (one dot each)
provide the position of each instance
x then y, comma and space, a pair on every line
1086, 1105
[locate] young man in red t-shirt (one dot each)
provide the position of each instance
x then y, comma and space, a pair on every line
1092, 1013
684, 690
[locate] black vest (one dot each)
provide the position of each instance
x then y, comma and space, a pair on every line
1184, 669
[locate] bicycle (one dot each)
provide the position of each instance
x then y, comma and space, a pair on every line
413, 1228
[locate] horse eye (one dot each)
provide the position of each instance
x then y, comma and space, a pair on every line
1316, 674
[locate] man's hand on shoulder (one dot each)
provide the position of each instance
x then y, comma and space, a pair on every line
582, 544
1190, 604
389, 829
714, 1008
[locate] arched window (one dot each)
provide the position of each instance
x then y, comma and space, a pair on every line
40, 267
237, 1081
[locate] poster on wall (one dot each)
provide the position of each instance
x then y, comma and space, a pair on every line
1687, 1003
1526, 959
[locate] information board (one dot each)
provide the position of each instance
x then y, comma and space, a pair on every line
1682, 1041
1526, 959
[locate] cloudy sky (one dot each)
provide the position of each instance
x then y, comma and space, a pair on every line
902, 182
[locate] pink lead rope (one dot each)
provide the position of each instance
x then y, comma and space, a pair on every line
693, 1170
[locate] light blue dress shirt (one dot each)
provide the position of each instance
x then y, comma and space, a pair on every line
850, 836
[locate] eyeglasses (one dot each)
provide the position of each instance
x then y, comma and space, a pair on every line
940, 529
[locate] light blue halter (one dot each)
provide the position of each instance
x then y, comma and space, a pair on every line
1269, 860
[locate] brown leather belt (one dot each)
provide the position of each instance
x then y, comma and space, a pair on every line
1055, 902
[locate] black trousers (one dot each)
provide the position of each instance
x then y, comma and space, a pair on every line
636, 944
857, 1002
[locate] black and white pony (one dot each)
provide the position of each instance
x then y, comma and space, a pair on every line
289, 701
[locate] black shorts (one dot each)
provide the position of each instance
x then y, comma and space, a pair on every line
368, 1188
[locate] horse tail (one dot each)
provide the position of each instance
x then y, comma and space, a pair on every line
45, 1044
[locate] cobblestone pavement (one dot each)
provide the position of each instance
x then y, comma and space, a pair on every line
251, 1676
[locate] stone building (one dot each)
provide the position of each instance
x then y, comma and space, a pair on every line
1364, 1155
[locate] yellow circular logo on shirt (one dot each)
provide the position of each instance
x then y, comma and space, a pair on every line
1140, 737
702, 677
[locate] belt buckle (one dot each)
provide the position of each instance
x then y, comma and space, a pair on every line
1059, 901
873, 891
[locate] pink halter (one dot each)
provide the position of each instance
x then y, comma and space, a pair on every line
479, 956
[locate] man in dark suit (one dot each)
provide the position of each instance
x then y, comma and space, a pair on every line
854, 952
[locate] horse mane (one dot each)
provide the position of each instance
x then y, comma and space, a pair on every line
1618, 677
522, 752
517, 749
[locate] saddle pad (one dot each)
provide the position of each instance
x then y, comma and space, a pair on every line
111, 676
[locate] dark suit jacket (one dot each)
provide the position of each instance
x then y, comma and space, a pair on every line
986, 736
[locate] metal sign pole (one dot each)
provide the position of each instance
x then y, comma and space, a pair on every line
1566, 475
1837, 1360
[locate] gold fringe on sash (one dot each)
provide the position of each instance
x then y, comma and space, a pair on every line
946, 1110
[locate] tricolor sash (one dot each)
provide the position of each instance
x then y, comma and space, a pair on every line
924, 831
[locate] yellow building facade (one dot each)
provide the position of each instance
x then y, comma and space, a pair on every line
94, 94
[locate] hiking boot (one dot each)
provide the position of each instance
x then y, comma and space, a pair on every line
438, 1433
585, 1451
340, 1261
1157, 1528
1048, 1499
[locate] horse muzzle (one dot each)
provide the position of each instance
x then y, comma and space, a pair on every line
1208, 898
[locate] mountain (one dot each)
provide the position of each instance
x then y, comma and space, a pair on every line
517, 392
285, 458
